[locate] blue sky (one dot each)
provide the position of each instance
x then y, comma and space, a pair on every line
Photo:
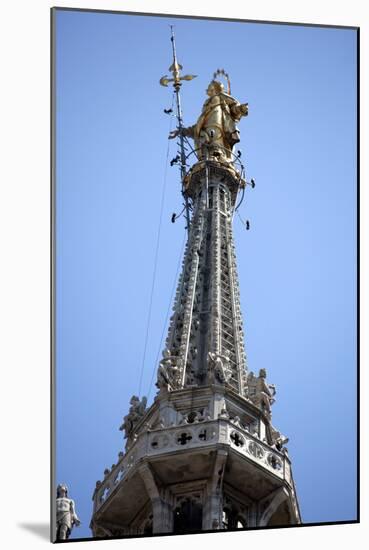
297, 264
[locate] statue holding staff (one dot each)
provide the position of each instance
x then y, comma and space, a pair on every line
215, 132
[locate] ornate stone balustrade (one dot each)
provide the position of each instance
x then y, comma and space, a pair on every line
174, 439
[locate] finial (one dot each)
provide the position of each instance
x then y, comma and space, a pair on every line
175, 68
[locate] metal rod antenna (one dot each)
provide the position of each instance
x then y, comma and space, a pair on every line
175, 69
177, 86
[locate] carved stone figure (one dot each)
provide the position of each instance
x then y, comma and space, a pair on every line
254, 428
191, 378
245, 388
66, 516
135, 413
224, 413
219, 367
237, 421
279, 440
215, 131
169, 371
260, 392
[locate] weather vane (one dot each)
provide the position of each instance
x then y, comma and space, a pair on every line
175, 69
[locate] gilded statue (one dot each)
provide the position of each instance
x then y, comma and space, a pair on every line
215, 132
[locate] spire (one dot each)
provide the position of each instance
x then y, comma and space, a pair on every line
204, 455
205, 338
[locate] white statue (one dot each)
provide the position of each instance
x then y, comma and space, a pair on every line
66, 516
260, 392
169, 371
135, 413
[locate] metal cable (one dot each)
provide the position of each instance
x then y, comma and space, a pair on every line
167, 314
241, 220
156, 258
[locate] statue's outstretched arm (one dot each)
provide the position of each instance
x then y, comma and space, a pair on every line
187, 132
239, 110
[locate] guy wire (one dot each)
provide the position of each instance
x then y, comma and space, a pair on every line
167, 314
156, 258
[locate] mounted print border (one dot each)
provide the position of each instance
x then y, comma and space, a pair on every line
174, 332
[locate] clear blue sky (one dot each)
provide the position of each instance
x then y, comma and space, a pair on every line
297, 264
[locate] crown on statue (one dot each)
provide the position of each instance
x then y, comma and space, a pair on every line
221, 72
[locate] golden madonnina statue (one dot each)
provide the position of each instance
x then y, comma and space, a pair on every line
215, 132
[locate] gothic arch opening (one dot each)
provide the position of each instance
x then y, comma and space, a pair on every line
187, 516
233, 518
